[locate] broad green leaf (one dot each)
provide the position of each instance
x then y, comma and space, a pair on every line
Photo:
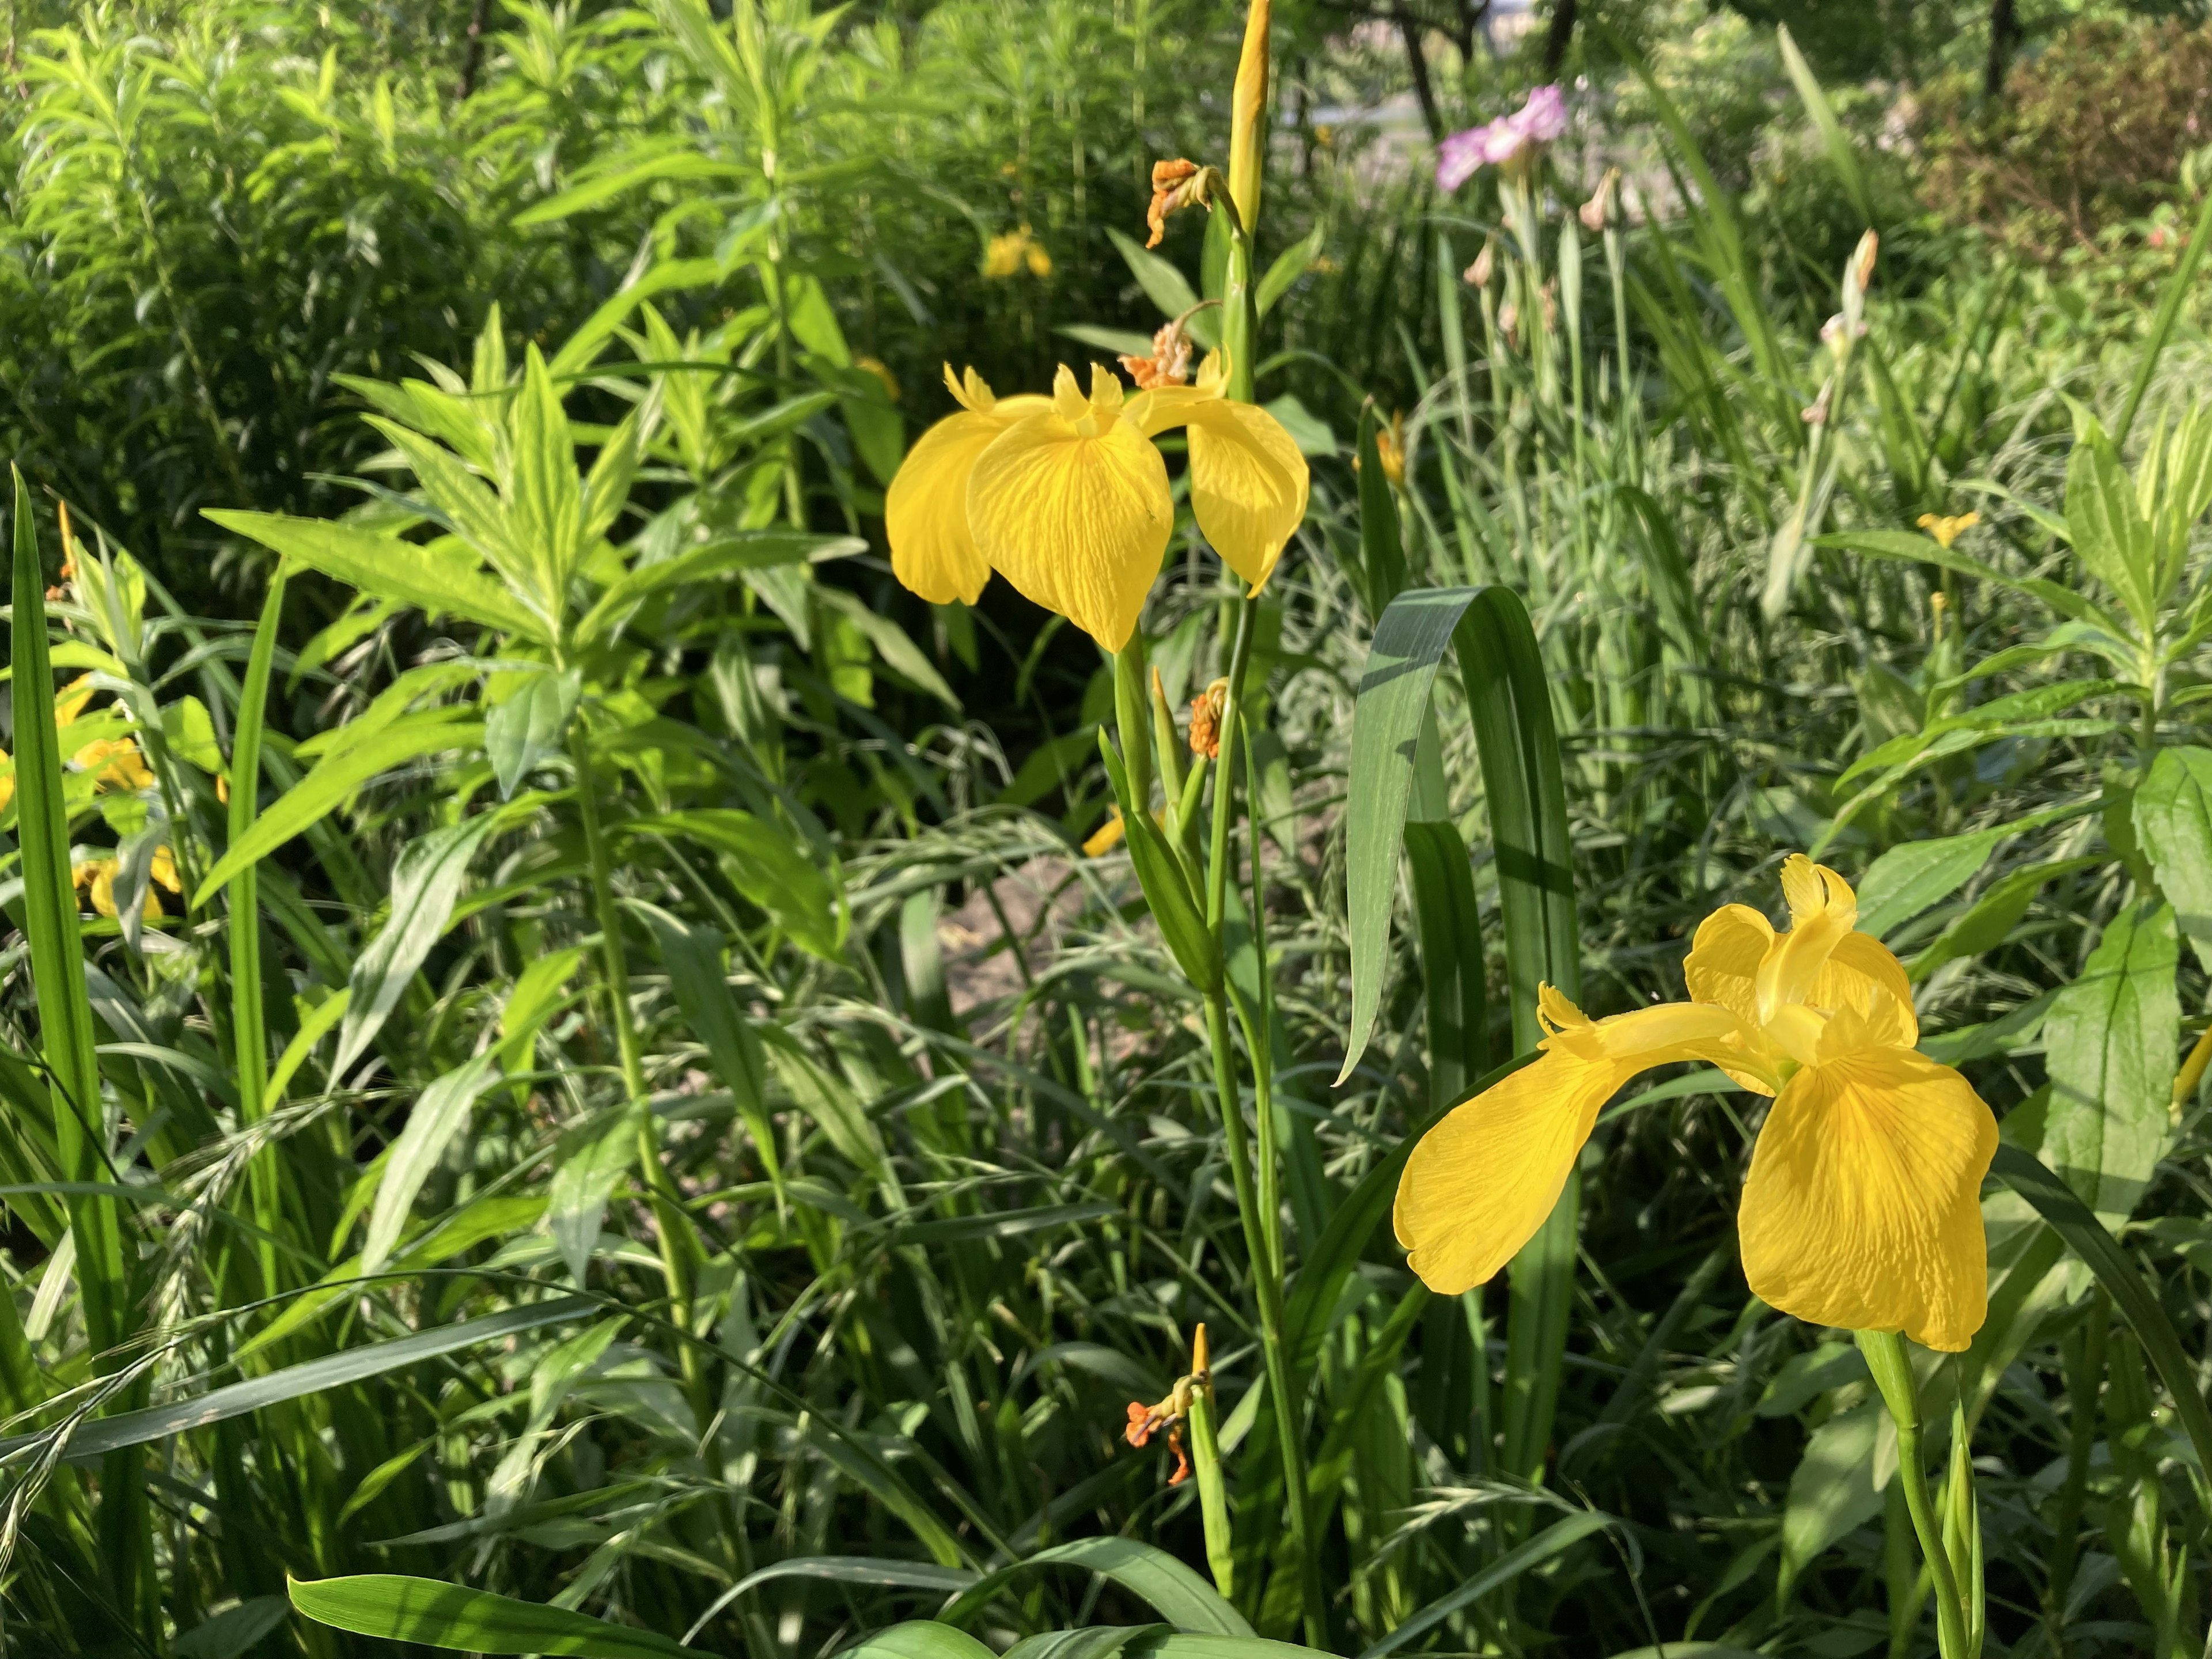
590, 1162
1169, 290
545, 499
2110, 533
2111, 1041
189, 731
440, 1113
233, 1631
693, 956
2173, 826
441, 1615
1292, 263
430, 578
1909, 878
671, 159
918, 1638
1840, 153
2056, 1202
1407, 649
530, 726
425, 882
324, 789
799, 892
1990, 921
333, 1371
900, 655
1163, 1582
57, 950
1832, 1491
471, 509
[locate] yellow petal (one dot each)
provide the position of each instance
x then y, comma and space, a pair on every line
1861, 975
1077, 521
1480, 1182
103, 887
1247, 486
1722, 966
1248, 482
1823, 911
925, 511
1862, 1207
164, 870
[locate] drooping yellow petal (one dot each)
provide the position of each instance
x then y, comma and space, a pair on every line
1247, 486
1862, 1206
926, 512
1480, 1183
1248, 482
934, 553
1071, 505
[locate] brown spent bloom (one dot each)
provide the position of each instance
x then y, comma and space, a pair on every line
1603, 207
1206, 712
1173, 190
1478, 273
1170, 363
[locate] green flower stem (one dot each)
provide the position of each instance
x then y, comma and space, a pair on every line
1892, 1366
614, 968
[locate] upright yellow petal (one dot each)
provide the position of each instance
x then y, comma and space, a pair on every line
1722, 966
1862, 1207
1823, 911
1480, 1182
1076, 520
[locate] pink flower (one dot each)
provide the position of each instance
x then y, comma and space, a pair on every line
1510, 140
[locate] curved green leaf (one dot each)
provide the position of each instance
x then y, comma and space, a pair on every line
439, 1615
1165, 1584
385, 568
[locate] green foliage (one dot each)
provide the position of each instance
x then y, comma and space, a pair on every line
568, 1088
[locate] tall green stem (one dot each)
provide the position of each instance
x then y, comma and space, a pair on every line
1892, 1367
614, 966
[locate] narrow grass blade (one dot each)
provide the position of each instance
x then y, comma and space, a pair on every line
2177, 287
1559, 1535
331, 1371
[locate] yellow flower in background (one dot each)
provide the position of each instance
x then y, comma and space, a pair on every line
1106, 836
876, 367
1947, 531
1011, 253
1390, 449
116, 762
7, 780
1861, 1208
100, 874
1067, 497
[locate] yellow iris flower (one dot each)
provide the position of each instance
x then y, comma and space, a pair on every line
98, 875
1067, 497
1862, 1206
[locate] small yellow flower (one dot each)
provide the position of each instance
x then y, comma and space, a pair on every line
1012, 251
1390, 449
875, 366
116, 762
1863, 1204
7, 780
1947, 531
1067, 498
100, 874
1106, 836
